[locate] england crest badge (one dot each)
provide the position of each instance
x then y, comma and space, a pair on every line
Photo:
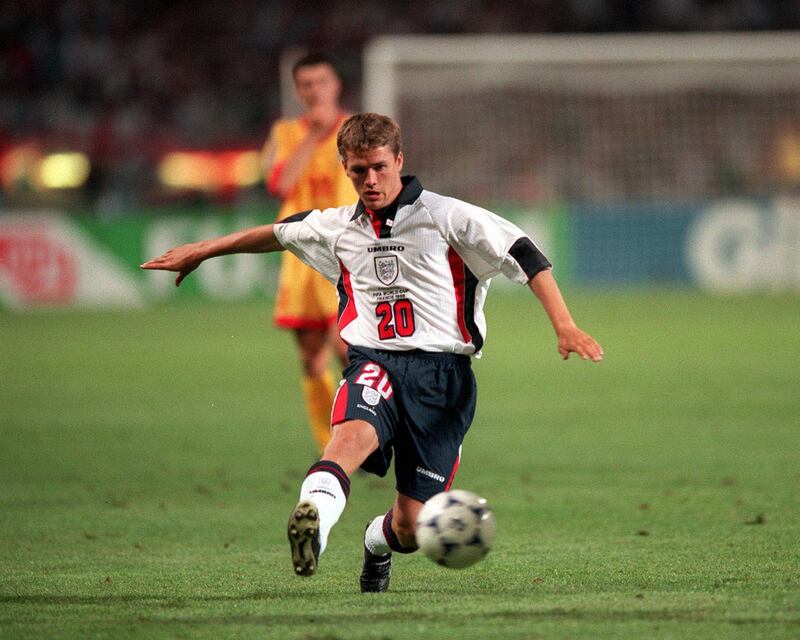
370, 396
386, 269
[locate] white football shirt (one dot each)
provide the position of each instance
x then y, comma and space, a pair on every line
414, 275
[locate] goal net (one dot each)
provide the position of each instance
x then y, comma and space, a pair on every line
595, 119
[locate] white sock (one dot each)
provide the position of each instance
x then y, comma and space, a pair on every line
325, 491
374, 539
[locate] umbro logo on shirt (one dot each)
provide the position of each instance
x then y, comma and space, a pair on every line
386, 247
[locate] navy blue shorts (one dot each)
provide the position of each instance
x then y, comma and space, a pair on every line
421, 405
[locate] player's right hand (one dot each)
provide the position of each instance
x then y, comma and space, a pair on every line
574, 340
183, 259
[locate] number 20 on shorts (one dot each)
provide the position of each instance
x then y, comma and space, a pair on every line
373, 375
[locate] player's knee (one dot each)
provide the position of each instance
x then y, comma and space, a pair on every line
352, 437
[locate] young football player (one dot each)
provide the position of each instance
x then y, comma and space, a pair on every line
412, 270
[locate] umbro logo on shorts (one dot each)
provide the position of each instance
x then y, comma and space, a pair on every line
430, 474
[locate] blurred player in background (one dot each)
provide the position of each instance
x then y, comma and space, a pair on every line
303, 169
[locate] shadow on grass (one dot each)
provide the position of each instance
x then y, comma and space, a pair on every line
401, 614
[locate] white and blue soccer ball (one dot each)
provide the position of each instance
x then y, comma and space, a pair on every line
455, 528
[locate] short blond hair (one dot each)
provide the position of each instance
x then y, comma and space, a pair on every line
364, 131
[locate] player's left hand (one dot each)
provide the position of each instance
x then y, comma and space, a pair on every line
572, 339
183, 259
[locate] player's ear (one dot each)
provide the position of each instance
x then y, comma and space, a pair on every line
399, 161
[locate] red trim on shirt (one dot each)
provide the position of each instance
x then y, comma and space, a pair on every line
350, 312
376, 221
457, 269
274, 177
339, 413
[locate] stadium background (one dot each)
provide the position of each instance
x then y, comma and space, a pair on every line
149, 443
127, 127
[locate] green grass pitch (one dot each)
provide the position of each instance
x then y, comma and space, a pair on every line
148, 463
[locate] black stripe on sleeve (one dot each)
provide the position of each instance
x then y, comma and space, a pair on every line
528, 256
295, 217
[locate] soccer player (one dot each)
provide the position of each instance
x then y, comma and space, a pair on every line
412, 270
302, 168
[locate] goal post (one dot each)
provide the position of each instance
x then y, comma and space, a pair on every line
594, 118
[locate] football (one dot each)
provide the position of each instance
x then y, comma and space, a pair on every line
455, 528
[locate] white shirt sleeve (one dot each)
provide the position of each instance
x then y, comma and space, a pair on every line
490, 245
312, 238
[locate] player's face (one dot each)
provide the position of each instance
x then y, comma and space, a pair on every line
317, 85
375, 175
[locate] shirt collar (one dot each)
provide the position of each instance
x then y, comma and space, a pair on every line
412, 188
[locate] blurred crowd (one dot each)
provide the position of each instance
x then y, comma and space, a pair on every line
125, 80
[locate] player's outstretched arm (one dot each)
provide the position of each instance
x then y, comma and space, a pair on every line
570, 337
187, 257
